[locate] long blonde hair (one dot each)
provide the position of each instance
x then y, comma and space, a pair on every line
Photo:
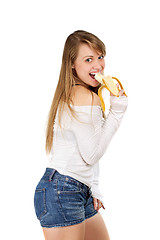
68, 76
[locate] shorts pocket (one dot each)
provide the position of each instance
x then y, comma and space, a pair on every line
68, 186
40, 202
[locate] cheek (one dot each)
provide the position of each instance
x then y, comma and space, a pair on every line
103, 64
78, 69
81, 69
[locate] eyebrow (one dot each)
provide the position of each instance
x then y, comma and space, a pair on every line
91, 56
87, 56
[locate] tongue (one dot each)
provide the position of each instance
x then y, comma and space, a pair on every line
92, 76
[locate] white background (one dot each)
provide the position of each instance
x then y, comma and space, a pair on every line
31, 44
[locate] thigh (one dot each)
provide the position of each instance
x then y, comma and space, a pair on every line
75, 232
95, 228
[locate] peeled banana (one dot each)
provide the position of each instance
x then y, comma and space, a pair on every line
109, 84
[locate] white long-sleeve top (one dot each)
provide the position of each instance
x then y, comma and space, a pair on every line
79, 145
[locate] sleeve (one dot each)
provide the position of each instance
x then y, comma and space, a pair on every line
93, 138
95, 185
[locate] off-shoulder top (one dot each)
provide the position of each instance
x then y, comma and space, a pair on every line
80, 143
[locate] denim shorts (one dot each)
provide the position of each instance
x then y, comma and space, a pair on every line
61, 200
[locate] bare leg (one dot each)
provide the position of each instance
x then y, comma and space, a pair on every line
95, 228
74, 232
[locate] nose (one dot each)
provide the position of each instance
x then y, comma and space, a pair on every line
97, 66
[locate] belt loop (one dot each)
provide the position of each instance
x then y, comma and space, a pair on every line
52, 174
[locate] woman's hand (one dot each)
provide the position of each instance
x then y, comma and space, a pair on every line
97, 204
121, 92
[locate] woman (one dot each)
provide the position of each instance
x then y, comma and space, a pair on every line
67, 198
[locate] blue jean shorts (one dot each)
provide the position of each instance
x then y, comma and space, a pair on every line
61, 200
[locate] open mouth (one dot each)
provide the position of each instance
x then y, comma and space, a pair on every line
92, 75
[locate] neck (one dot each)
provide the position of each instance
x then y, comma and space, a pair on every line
81, 83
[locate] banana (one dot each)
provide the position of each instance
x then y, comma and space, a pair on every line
109, 84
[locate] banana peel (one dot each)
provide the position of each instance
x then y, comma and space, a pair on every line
110, 85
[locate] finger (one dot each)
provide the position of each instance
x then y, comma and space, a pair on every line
121, 92
117, 84
99, 205
95, 203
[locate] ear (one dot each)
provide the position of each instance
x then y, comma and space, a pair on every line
73, 66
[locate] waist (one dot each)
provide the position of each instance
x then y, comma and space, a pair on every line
52, 173
81, 172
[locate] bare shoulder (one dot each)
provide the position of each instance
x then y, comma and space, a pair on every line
82, 96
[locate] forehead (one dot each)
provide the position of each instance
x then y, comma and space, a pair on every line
86, 50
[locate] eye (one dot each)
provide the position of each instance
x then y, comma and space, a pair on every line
88, 59
101, 57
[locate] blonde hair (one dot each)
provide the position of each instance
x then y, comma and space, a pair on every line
68, 76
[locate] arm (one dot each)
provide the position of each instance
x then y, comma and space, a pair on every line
95, 186
93, 138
